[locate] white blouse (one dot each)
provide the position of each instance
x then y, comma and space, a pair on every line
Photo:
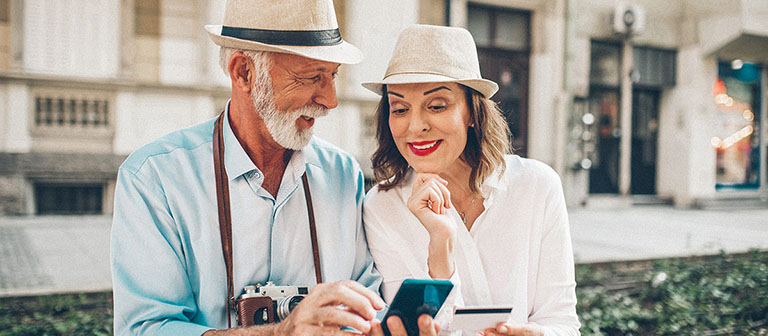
518, 251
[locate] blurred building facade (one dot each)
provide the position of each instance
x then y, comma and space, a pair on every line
84, 83
648, 97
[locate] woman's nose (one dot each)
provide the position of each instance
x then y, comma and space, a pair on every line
419, 122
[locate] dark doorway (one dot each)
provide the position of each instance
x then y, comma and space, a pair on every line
645, 126
604, 174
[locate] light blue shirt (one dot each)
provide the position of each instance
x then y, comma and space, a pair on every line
168, 268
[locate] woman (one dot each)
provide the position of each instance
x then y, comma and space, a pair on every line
451, 203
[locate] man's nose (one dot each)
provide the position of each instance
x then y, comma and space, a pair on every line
326, 94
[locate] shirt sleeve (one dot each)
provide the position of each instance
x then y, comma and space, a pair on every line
364, 270
554, 307
152, 293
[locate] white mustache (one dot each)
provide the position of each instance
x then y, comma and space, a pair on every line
313, 111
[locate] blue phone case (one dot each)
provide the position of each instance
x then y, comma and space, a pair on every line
414, 298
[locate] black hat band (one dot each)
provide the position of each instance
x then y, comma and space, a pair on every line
325, 37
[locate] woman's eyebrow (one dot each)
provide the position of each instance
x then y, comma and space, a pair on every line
436, 89
395, 93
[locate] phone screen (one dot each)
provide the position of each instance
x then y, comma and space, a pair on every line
414, 298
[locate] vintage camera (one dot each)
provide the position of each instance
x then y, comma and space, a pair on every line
268, 303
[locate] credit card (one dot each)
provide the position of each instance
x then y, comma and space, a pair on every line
473, 319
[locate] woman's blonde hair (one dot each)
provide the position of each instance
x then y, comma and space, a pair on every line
488, 140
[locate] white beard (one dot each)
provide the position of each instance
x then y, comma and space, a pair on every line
282, 124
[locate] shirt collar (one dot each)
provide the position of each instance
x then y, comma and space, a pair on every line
495, 181
237, 162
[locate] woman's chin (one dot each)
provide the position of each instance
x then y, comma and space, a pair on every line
427, 169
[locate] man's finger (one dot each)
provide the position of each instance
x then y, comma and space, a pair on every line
376, 328
337, 317
374, 298
353, 295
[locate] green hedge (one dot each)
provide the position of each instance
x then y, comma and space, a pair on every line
63, 314
719, 295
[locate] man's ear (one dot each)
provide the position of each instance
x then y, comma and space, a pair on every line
241, 71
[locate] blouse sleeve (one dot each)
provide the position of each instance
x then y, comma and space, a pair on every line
395, 250
555, 305
385, 247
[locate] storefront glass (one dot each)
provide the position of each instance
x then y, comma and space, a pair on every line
736, 140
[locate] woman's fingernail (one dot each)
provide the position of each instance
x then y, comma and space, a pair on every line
504, 329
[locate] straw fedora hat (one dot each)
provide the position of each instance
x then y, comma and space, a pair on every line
301, 27
435, 54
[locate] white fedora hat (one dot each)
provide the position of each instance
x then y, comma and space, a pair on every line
301, 27
435, 54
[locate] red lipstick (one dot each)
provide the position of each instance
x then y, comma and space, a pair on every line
422, 148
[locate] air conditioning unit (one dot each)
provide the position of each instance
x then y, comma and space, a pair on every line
628, 19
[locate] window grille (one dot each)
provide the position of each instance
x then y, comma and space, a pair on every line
68, 199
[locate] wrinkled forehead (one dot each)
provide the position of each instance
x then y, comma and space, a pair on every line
296, 63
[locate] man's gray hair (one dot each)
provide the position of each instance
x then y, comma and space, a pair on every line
261, 60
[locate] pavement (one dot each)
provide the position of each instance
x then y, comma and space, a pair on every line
64, 254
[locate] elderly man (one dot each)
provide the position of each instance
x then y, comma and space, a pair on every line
204, 211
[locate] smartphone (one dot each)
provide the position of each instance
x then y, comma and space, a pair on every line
414, 298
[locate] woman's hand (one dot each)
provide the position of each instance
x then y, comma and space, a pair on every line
514, 329
429, 202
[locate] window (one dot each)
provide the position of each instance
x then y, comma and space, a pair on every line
503, 40
736, 140
147, 17
68, 199
654, 67
605, 64
5, 8
499, 27
72, 37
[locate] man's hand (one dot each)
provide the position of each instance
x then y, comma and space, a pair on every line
330, 306
326, 309
427, 327
514, 329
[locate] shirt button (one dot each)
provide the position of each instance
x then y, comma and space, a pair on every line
256, 174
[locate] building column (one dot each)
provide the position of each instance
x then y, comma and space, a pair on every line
625, 147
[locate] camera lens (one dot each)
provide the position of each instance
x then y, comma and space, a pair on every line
286, 305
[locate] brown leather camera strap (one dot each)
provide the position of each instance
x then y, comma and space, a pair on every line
225, 220
312, 228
